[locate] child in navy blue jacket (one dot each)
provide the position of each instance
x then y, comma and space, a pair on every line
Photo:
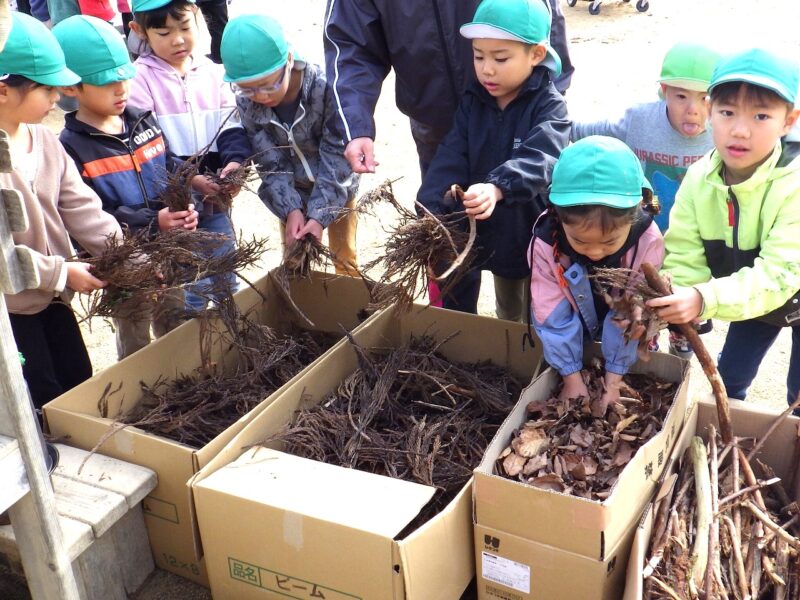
507, 134
120, 152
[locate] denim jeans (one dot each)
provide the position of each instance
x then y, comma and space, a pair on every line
744, 349
197, 295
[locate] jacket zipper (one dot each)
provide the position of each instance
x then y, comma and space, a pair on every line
190, 110
733, 221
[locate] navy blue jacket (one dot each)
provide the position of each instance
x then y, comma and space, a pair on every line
514, 149
127, 171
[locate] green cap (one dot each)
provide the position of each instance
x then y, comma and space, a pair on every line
689, 66
526, 21
598, 170
33, 52
145, 5
241, 36
94, 50
760, 68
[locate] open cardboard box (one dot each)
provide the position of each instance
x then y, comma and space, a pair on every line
589, 528
747, 420
275, 525
331, 302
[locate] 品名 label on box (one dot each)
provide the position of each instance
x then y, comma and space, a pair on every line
506, 572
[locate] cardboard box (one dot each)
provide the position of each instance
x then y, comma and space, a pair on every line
274, 525
748, 421
513, 568
589, 528
330, 301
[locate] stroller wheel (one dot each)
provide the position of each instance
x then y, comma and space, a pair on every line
594, 10
572, 2
642, 5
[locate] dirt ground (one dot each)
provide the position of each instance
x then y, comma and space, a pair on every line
617, 56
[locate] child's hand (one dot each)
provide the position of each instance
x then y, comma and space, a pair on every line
684, 305
203, 185
295, 222
611, 395
187, 219
231, 191
480, 200
312, 227
574, 387
81, 280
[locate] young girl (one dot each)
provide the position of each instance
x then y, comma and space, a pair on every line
596, 220
59, 206
187, 93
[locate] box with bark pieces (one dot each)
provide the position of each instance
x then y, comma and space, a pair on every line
574, 485
205, 391
762, 560
355, 483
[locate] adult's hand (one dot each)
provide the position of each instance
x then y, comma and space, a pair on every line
360, 153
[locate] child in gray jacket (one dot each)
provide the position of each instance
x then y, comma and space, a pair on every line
286, 106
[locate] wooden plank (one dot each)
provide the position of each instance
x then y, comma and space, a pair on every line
133, 549
100, 569
96, 507
131, 481
12, 473
78, 537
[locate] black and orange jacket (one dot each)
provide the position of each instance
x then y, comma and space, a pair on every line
128, 171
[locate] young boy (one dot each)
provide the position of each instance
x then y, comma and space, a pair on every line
186, 91
120, 152
286, 107
507, 134
732, 245
668, 135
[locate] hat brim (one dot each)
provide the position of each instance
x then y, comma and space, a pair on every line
757, 80
248, 78
62, 77
152, 5
476, 30
123, 72
597, 198
693, 85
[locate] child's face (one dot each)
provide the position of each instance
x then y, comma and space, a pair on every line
102, 100
175, 41
686, 110
270, 90
27, 105
594, 243
502, 66
745, 132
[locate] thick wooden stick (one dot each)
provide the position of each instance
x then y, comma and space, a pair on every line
713, 568
709, 367
738, 562
770, 524
702, 484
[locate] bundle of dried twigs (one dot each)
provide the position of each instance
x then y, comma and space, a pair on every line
138, 268
562, 447
419, 248
720, 532
234, 180
408, 413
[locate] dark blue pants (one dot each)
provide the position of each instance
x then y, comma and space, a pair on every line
198, 294
744, 349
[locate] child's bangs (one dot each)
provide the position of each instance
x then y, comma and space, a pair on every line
588, 216
729, 93
157, 19
19, 82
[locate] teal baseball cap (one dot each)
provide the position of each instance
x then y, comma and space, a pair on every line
94, 50
598, 170
252, 47
33, 52
760, 68
145, 5
526, 21
689, 66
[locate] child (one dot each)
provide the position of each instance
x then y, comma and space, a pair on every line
120, 153
59, 206
732, 244
187, 93
596, 220
286, 106
508, 131
668, 135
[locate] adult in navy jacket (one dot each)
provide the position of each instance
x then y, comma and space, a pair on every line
364, 39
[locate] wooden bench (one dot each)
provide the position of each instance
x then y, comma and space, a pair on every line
101, 517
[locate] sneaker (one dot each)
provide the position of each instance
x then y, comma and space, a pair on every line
679, 346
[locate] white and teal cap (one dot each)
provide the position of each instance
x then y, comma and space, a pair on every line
526, 21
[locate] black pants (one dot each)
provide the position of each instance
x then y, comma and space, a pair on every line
24, 6
56, 359
216, 15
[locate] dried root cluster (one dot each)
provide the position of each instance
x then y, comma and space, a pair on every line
723, 533
408, 413
138, 269
563, 447
419, 247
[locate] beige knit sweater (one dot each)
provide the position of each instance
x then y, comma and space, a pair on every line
59, 205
